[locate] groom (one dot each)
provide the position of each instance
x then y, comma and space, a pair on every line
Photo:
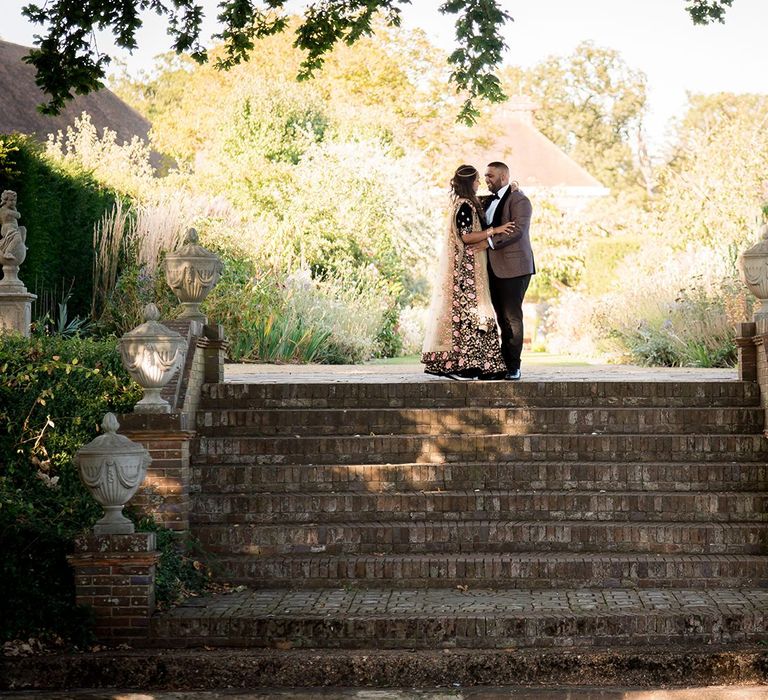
510, 261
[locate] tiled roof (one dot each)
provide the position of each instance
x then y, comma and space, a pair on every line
533, 160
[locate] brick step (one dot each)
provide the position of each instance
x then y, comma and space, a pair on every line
483, 421
386, 618
522, 571
493, 536
459, 394
395, 507
557, 476
484, 448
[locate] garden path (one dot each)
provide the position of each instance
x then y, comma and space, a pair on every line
539, 369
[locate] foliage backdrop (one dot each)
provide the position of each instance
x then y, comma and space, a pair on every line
59, 205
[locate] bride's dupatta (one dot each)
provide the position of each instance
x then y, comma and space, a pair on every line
438, 336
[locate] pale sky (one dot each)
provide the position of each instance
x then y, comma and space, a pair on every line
654, 36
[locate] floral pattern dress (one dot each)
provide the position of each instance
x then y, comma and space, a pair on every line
475, 351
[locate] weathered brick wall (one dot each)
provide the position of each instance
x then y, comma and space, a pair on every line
115, 578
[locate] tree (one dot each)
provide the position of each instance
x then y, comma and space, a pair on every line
707, 11
714, 186
67, 60
390, 87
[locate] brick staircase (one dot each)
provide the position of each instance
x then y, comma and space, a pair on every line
493, 514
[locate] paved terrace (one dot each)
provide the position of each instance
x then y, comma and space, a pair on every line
536, 368
483, 603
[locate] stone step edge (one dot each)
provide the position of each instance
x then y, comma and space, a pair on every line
586, 464
492, 492
562, 408
506, 523
249, 669
457, 388
480, 436
574, 466
523, 557
534, 570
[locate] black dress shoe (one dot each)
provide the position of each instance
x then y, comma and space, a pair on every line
513, 376
493, 376
461, 377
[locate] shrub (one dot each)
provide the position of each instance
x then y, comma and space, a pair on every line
126, 167
53, 396
178, 574
601, 260
671, 310
330, 320
411, 329
135, 288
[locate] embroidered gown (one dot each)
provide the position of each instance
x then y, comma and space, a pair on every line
475, 344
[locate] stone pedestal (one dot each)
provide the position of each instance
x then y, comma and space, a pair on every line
115, 577
15, 308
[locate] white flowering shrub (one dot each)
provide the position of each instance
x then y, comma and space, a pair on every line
126, 167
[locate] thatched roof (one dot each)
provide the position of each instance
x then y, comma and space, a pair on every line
20, 97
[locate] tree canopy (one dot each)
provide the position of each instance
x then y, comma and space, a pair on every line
68, 61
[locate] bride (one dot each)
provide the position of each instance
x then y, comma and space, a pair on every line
462, 339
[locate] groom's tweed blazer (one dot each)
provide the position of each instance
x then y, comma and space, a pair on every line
512, 255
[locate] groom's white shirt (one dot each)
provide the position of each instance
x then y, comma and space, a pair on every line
492, 209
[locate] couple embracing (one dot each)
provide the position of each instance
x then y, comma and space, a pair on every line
475, 325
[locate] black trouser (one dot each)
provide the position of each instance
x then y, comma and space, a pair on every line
507, 294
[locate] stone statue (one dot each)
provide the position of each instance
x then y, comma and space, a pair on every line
15, 301
13, 238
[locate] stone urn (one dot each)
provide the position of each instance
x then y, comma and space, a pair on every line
191, 272
112, 467
753, 271
152, 354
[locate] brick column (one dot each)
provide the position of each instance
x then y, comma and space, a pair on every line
760, 342
115, 577
214, 347
165, 492
747, 351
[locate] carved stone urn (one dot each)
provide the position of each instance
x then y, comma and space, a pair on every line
191, 272
152, 354
112, 467
753, 271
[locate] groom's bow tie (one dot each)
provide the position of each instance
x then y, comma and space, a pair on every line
494, 195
